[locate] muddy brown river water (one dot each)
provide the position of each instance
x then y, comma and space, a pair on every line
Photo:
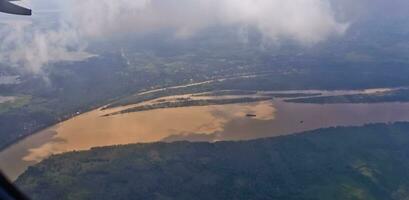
201, 123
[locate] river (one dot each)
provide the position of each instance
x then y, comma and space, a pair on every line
201, 123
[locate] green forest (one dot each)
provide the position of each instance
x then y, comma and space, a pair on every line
369, 162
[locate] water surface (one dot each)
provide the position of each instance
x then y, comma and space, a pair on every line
202, 123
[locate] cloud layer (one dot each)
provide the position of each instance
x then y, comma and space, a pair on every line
25, 44
306, 21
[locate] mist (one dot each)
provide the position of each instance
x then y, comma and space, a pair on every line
32, 43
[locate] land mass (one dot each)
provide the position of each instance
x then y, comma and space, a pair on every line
401, 95
188, 103
369, 162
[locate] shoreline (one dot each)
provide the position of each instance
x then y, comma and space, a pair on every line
142, 92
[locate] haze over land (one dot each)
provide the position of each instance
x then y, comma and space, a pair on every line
32, 43
64, 53
64, 30
80, 74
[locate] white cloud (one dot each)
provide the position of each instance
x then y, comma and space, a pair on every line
305, 21
32, 49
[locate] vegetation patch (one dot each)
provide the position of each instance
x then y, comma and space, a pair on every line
345, 163
17, 102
